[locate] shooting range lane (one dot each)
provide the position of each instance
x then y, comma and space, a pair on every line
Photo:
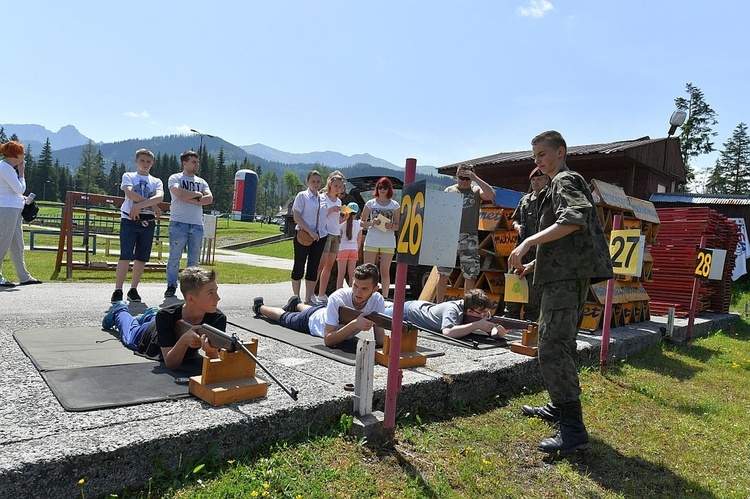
46, 449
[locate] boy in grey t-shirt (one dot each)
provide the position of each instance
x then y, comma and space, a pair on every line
190, 194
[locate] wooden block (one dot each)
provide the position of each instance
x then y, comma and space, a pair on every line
227, 392
530, 350
230, 378
430, 288
592, 316
504, 241
530, 336
627, 313
496, 282
406, 359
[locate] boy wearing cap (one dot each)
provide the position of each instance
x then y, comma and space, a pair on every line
351, 239
525, 221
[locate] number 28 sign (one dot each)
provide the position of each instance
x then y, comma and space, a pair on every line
430, 222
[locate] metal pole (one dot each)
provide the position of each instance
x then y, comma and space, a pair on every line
394, 372
694, 298
607, 318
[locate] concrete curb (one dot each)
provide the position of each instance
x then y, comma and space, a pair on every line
45, 450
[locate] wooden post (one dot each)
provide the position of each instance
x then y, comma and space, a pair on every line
364, 377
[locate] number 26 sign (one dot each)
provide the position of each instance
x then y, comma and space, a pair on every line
430, 222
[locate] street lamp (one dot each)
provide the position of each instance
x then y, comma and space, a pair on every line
200, 147
44, 191
676, 120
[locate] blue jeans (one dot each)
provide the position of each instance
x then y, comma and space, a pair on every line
183, 235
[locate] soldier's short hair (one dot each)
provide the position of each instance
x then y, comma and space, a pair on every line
552, 138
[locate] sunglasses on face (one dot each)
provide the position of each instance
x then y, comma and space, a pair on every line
464, 178
382, 188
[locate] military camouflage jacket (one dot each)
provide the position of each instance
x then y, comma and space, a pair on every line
583, 253
526, 216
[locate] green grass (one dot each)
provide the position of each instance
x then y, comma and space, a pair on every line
282, 249
41, 263
671, 421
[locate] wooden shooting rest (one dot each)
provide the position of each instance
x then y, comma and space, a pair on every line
529, 336
230, 378
409, 357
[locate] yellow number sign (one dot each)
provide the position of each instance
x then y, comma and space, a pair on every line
412, 223
626, 251
703, 263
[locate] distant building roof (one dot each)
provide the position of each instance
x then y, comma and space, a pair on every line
692, 198
509, 157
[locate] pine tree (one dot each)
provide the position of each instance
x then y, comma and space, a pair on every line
90, 173
696, 131
731, 175
45, 171
113, 181
3, 137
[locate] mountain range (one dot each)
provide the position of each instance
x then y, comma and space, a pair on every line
68, 141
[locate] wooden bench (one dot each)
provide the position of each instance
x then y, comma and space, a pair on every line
408, 357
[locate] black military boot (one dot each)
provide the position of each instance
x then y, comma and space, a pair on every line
548, 412
571, 433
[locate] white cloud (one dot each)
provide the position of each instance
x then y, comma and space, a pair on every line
535, 8
182, 129
144, 114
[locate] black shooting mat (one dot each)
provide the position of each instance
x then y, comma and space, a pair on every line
345, 352
88, 368
482, 339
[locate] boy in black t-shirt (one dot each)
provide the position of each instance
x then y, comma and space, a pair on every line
159, 334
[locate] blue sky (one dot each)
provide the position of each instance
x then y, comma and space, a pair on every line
435, 80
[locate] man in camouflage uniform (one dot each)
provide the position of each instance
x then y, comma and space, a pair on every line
525, 220
572, 252
468, 237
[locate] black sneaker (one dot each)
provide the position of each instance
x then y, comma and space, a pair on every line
257, 303
170, 292
133, 295
291, 305
116, 296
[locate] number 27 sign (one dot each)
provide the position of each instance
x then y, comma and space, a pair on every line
626, 250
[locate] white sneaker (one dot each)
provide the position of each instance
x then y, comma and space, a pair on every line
319, 300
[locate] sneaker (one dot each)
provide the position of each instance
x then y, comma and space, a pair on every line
257, 303
31, 280
6, 284
291, 305
146, 316
170, 292
133, 295
319, 300
109, 320
116, 296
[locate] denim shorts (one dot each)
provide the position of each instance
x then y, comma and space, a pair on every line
136, 239
298, 321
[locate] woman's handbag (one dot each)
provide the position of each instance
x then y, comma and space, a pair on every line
304, 238
30, 211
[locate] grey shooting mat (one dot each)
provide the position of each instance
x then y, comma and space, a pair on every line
483, 340
345, 352
88, 368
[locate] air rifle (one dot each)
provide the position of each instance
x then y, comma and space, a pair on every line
231, 343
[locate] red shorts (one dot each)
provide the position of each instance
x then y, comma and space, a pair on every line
347, 255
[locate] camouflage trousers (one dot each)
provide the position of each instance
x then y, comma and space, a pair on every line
559, 321
468, 257
530, 309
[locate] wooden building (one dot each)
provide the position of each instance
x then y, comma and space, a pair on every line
641, 167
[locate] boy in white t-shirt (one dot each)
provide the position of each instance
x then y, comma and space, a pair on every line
143, 193
323, 320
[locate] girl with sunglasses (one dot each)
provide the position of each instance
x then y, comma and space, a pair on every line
381, 216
